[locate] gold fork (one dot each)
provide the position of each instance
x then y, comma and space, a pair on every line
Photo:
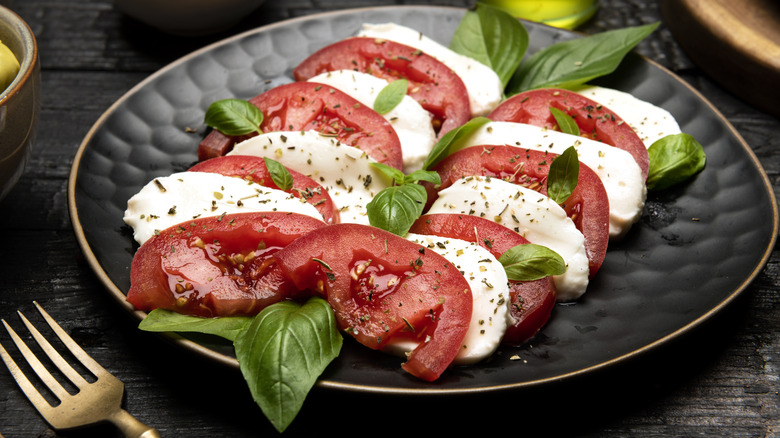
95, 402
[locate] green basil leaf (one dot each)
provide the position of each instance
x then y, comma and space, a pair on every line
577, 61
492, 37
390, 96
393, 174
448, 143
395, 209
674, 159
565, 122
283, 351
423, 175
234, 117
529, 262
279, 174
159, 320
563, 176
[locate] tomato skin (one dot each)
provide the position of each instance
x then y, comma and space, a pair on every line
588, 205
192, 268
434, 85
307, 106
532, 302
595, 121
381, 286
253, 168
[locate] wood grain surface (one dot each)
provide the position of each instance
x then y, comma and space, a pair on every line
719, 380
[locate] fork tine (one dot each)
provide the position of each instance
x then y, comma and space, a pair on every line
55, 357
29, 390
74, 348
36, 365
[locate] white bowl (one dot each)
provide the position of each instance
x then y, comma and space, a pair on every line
188, 17
19, 102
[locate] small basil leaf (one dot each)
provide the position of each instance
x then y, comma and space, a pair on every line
563, 176
283, 351
393, 174
390, 96
234, 117
529, 262
423, 175
574, 62
674, 159
279, 174
448, 143
492, 37
395, 209
565, 122
159, 320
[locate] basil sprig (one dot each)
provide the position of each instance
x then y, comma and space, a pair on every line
390, 96
281, 351
565, 122
674, 159
449, 142
159, 320
563, 176
574, 62
529, 262
234, 117
279, 174
492, 37
395, 208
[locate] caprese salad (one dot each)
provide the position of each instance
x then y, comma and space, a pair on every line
393, 179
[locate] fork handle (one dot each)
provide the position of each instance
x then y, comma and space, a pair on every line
131, 427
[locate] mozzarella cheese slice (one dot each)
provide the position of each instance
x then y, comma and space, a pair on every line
529, 213
482, 83
616, 168
411, 122
487, 279
180, 197
344, 171
650, 122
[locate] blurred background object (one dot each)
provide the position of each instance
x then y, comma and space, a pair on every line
188, 17
566, 14
737, 42
19, 100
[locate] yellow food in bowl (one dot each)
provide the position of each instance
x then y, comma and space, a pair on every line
9, 66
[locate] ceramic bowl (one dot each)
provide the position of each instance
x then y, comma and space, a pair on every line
20, 101
188, 17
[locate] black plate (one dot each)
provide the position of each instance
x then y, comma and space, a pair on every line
695, 249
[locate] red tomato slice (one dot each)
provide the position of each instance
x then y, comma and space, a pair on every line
254, 169
308, 106
588, 205
431, 83
216, 266
595, 121
383, 286
532, 302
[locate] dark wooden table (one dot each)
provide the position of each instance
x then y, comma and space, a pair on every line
719, 380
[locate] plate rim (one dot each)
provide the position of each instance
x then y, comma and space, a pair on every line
212, 355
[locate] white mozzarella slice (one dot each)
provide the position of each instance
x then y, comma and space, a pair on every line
487, 279
180, 197
411, 122
482, 83
344, 171
616, 168
529, 213
649, 121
